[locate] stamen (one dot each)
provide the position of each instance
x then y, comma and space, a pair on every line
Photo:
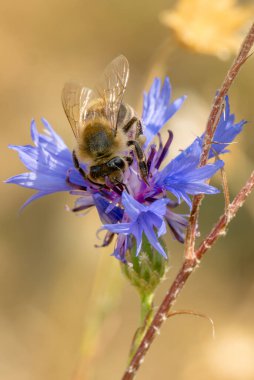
107, 240
123, 186
164, 150
117, 190
151, 157
80, 208
160, 142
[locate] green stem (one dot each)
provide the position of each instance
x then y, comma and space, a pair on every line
146, 301
146, 314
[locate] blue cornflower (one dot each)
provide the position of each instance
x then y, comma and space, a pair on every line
157, 109
225, 133
49, 162
182, 176
141, 219
138, 208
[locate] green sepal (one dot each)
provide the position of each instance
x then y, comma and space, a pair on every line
146, 270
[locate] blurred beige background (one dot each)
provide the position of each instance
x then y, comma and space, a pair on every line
48, 260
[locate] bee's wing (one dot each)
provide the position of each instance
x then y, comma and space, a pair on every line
112, 86
75, 100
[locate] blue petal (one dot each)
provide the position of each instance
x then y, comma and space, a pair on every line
121, 248
150, 234
137, 232
113, 216
142, 219
34, 197
57, 139
205, 172
225, 133
34, 133
49, 162
132, 207
182, 176
84, 202
159, 207
42, 182
157, 109
184, 161
162, 230
119, 228
177, 224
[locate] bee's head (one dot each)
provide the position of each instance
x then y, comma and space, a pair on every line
116, 163
113, 169
116, 166
96, 172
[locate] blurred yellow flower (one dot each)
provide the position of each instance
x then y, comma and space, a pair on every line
213, 27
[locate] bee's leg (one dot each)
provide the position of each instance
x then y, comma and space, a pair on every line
141, 159
128, 159
81, 171
77, 165
139, 136
139, 130
130, 123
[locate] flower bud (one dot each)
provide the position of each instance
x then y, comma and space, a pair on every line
146, 270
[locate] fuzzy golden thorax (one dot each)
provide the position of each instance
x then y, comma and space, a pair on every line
97, 142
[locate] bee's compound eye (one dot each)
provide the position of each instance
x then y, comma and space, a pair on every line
117, 163
95, 171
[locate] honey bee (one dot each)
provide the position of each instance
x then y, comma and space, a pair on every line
107, 131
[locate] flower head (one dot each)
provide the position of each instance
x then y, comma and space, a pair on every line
141, 218
157, 108
135, 210
49, 161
